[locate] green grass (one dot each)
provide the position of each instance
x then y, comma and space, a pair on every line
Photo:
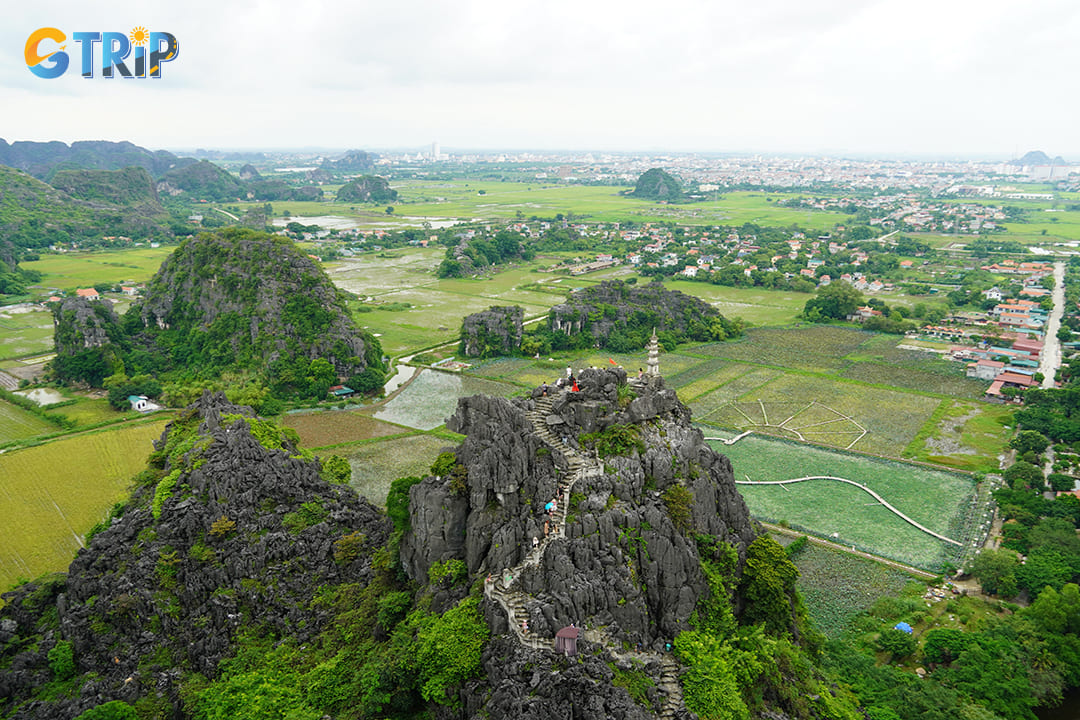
75, 270
837, 586
25, 333
53, 493
18, 424
91, 411
757, 306
461, 199
377, 464
934, 498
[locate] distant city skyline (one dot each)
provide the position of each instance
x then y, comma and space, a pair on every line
841, 78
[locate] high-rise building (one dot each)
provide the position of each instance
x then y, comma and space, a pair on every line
436, 154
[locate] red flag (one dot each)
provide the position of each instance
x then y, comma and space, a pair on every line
612, 362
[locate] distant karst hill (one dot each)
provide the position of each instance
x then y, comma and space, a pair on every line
236, 300
202, 181
1038, 157
351, 161
367, 189
657, 184
41, 159
85, 204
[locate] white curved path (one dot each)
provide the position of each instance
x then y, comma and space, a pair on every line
862, 487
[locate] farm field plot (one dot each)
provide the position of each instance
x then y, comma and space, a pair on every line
372, 275
819, 349
848, 516
90, 411
333, 427
931, 381
755, 305
968, 436
25, 332
837, 586
934, 498
748, 382
377, 464
16, 423
51, 494
74, 270
432, 397
892, 418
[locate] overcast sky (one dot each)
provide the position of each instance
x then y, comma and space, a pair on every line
950, 78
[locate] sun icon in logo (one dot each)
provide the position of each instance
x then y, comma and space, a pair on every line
138, 35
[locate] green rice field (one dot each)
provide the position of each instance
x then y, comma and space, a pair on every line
75, 270
25, 332
937, 499
18, 424
377, 464
836, 586
51, 494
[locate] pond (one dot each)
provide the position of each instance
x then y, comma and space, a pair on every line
42, 396
426, 404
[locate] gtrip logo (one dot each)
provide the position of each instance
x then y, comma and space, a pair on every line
46, 58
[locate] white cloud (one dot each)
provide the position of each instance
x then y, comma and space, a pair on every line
915, 76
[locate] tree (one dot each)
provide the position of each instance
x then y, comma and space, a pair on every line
898, 643
996, 571
1029, 440
768, 583
833, 302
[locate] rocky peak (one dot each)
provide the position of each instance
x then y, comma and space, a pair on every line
231, 528
495, 331
625, 556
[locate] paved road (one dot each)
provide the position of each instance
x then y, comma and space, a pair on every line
1050, 359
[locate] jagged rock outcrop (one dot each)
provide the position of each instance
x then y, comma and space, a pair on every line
495, 331
626, 557
83, 323
224, 534
614, 305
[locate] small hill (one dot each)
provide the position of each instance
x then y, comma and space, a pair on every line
248, 172
88, 340
367, 189
351, 162
657, 184
621, 316
202, 181
495, 331
35, 214
42, 159
245, 299
231, 530
129, 186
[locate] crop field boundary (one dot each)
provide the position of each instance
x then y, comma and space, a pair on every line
861, 432
832, 448
862, 487
837, 547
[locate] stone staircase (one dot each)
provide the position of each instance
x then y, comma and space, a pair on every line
505, 589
